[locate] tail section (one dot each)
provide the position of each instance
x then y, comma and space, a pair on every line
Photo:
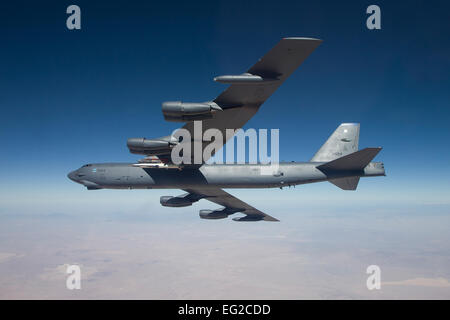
355, 161
346, 183
344, 164
342, 142
340, 169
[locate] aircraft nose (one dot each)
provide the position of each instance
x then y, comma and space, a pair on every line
72, 176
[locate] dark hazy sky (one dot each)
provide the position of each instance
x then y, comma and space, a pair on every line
73, 97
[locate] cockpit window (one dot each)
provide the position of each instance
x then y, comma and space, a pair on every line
87, 165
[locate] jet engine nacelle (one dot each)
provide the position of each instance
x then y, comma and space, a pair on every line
213, 214
249, 218
169, 201
156, 146
186, 111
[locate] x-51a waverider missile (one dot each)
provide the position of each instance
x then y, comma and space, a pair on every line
243, 79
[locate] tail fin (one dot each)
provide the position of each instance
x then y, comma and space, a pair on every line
352, 162
346, 183
342, 142
355, 161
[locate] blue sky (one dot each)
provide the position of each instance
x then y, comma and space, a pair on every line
74, 97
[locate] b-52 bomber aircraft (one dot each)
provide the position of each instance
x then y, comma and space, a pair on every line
337, 161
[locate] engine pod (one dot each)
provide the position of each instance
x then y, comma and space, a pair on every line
249, 217
212, 214
188, 111
217, 214
175, 202
162, 145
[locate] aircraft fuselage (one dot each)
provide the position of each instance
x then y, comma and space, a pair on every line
127, 176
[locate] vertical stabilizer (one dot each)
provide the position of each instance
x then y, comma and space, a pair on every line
342, 142
346, 183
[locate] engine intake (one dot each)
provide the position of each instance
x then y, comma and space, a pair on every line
175, 202
162, 145
249, 218
212, 214
217, 214
187, 111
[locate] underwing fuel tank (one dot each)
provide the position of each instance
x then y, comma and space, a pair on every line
188, 111
245, 78
162, 145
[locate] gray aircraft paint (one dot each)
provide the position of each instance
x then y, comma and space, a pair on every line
127, 176
337, 161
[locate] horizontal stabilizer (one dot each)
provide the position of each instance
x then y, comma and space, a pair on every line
355, 161
346, 183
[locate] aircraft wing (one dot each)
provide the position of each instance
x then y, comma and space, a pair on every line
240, 101
225, 199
